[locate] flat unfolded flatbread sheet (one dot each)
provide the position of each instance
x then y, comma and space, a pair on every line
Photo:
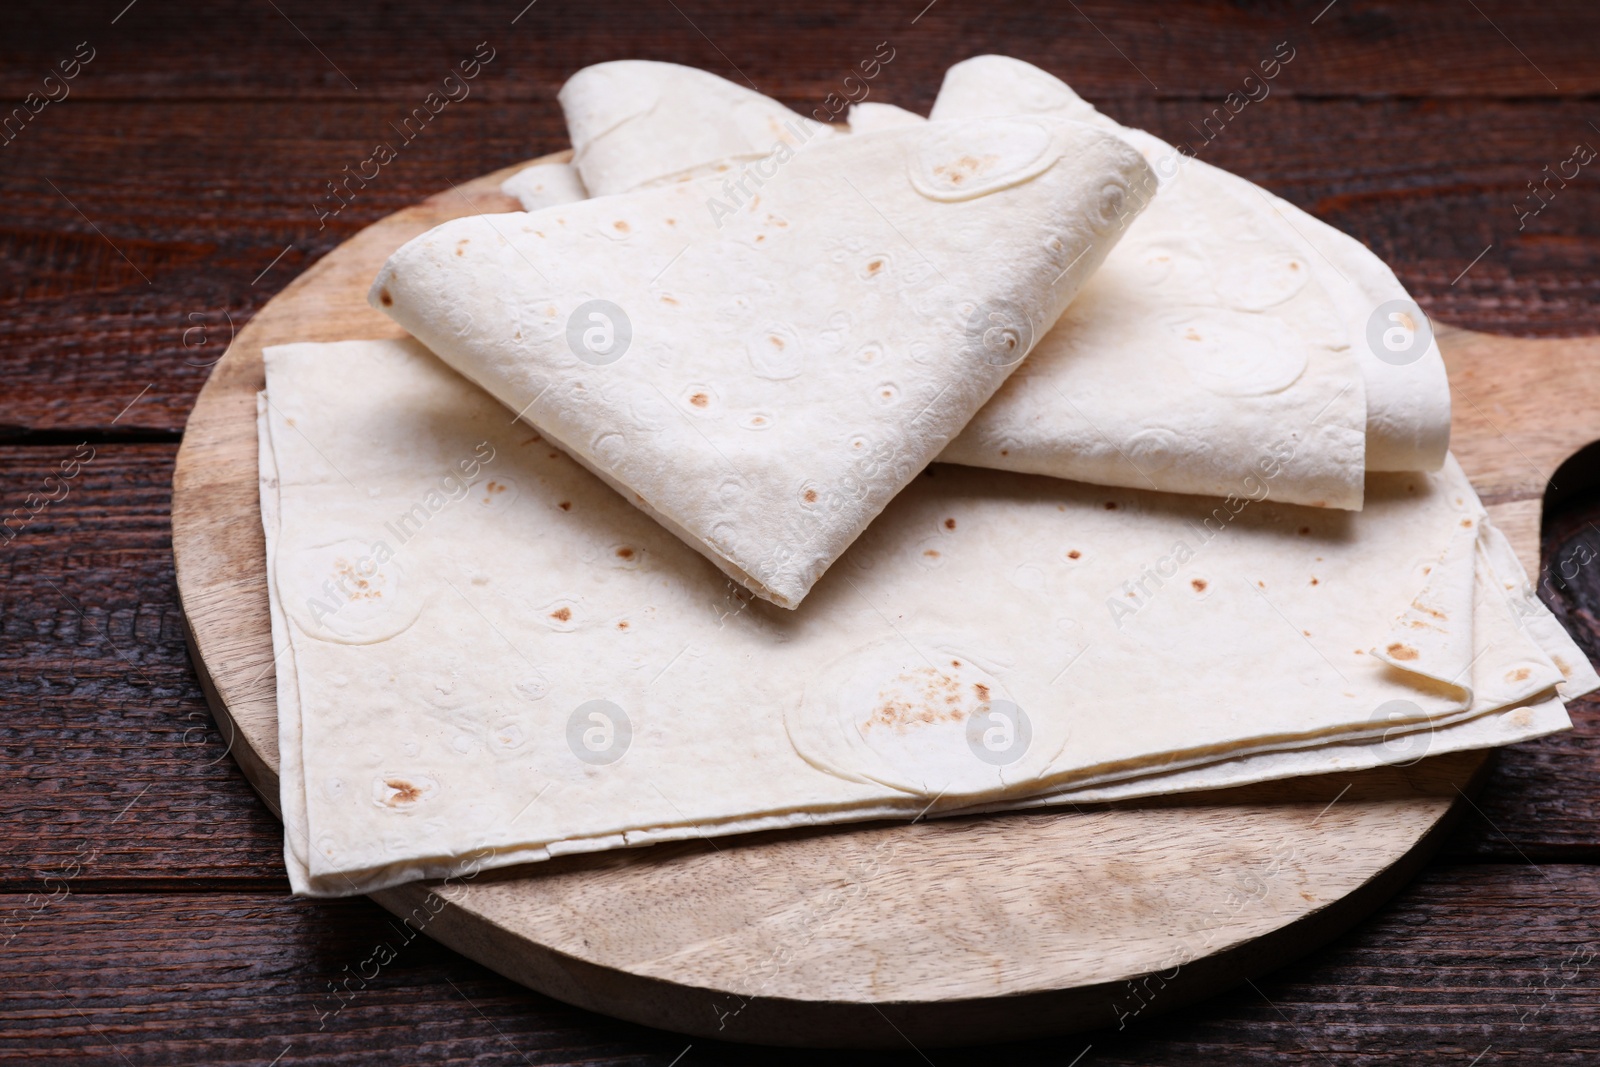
490, 657
1225, 315
764, 372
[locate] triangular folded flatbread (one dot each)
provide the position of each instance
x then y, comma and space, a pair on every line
1226, 315
761, 362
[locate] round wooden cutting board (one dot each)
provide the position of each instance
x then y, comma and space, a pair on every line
939, 932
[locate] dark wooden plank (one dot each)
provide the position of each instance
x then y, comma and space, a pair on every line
106, 744
102, 706
82, 333
1198, 49
1467, 958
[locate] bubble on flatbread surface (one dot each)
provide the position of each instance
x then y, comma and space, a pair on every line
532, 686
340, 592
1109, 207
1235, 353
494, 494
609, 448
776, 352
1154, 449
912, 710
965, 160
1258, 282
997, 332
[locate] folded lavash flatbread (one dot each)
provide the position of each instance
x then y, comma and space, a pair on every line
761, 363
636, 123
488, 657
1258, 260
545, 185
1224, 315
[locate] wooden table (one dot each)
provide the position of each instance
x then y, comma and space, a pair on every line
144, 917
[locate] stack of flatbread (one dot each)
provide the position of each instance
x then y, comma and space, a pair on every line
767, 474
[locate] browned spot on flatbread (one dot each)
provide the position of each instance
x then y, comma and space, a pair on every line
1305, 531
384, 298
949, 524
1074, 554
811, 496
1111, 505
1316, 581
1467, 523
404, 792
563, 613
966, 167
1402, 652
363, 588
939, 701
620, 226
1518, 675
981, 689
1199, 584
1561, 665
875, 266
623, 625
565, 505
624, 552
700, 400
931, 553
669, 300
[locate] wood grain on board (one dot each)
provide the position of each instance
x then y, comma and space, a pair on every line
1464, 959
